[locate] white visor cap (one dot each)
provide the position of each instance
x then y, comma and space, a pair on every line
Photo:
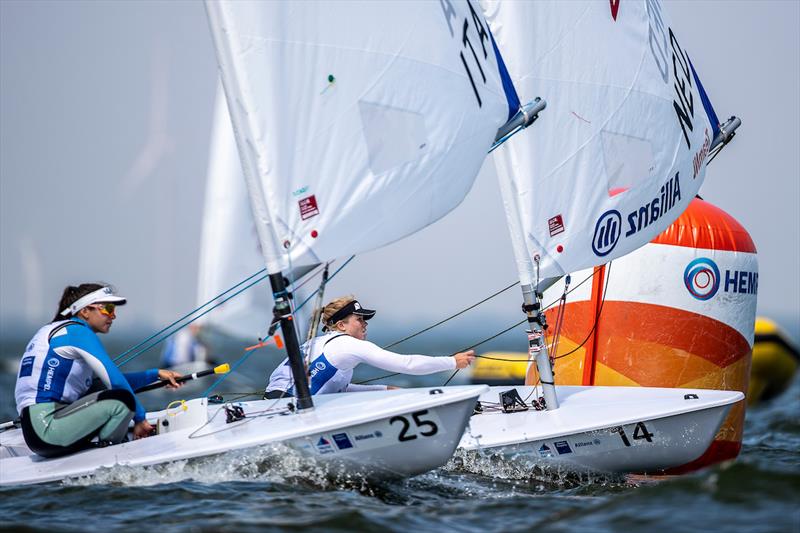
104, 295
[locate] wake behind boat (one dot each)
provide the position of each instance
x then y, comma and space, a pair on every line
604, 429
377, 435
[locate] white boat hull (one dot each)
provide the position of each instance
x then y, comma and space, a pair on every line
605, 429
375, 434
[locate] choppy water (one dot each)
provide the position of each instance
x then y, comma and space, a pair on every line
275, 489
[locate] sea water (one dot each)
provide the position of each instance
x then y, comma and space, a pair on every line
275, 488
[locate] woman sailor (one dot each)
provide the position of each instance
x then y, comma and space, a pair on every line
56, 372
334, 356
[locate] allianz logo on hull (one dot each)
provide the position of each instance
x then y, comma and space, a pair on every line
608, 229
702, 279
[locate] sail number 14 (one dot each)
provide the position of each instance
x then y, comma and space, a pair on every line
639, 432
426, 428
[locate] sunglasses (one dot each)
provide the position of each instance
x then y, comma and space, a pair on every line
106, 309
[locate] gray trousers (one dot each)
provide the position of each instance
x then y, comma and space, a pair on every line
53, 429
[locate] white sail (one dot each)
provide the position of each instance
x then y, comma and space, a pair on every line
621, 150
229, 250
350, 139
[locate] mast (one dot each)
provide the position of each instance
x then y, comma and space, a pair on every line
532, 287
264, 225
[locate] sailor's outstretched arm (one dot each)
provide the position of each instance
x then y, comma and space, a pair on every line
353, 351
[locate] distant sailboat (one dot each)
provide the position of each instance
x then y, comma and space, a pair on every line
618, 156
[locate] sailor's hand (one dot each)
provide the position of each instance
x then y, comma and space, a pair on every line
142, 429
169, 375
463, 359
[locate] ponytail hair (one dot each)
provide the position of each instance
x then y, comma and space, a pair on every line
329, 310
71, 295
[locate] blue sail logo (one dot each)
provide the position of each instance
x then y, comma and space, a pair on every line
607, 232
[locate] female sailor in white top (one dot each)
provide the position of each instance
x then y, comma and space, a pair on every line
333, 356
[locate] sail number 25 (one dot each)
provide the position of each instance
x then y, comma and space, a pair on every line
426, 428
639, 432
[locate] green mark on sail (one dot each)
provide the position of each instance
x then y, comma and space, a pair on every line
331, 81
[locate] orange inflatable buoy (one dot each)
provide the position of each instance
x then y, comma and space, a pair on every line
678, 312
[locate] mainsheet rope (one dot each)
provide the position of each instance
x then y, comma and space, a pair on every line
404, 339
591, 331
247, 354
154, 335
482, 341
178, 321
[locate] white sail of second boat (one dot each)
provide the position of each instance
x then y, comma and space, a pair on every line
622, 148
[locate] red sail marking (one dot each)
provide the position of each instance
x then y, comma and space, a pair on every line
614, 8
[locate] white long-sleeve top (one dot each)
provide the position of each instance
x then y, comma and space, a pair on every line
334, 356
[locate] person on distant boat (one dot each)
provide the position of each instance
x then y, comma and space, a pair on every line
58, 414
334, 355
185, 347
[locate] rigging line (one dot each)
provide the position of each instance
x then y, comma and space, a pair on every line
535, 389
464, 350
157, 341
450, 317
243, 359
467, 309
120, 356
169, 334
379, 377
318, 269
554, 302
219, 380
451, 377
495, 335
292, 288
484, 341
238, 394
596, 318
560, 310
527, 360
329, 279
587, 278
717, 150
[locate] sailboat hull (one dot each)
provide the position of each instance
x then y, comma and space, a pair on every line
381, 434
605, 429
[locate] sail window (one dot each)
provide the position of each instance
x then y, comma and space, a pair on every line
393, 136
628, 160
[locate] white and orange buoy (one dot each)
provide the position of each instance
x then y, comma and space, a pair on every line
678, 312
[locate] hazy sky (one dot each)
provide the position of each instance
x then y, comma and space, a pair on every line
105, 116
